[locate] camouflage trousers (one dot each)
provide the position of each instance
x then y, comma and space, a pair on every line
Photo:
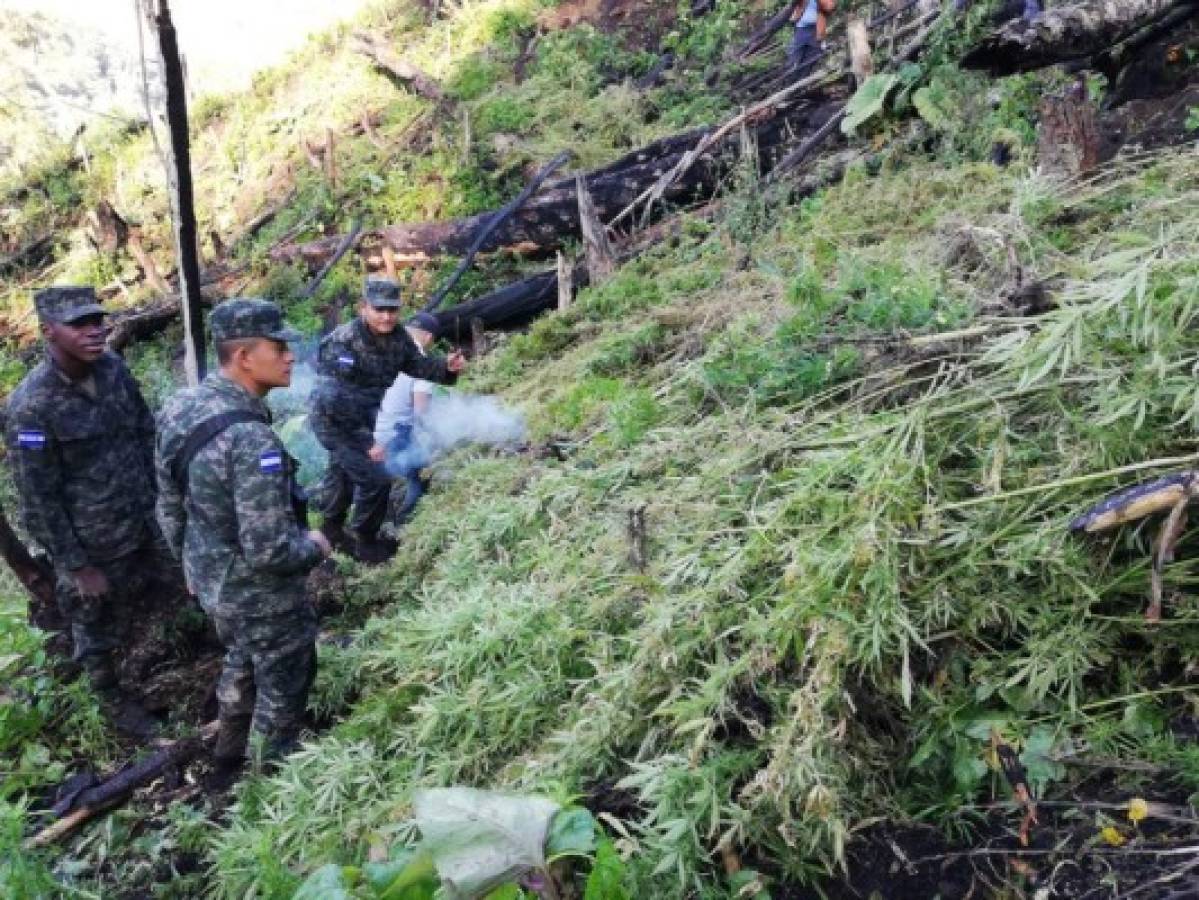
351, 476
270, 663
100, 625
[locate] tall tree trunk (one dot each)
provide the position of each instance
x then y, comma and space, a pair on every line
179, 181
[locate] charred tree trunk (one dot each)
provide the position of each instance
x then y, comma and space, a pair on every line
179, 180
550, 218
1065, 33
1068, 138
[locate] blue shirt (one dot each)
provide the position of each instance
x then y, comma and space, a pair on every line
810, 14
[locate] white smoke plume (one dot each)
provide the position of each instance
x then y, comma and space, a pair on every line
454, 420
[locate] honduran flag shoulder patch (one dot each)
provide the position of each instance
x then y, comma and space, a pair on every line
271, 461
31, 439
345, 361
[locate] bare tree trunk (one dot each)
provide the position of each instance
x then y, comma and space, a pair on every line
1068, 138
179, 181
601, 261
860, 59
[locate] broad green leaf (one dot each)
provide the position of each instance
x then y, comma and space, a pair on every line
925, 101
606, 881
572, 833
1041, 768
410, 875
868, 101
329, 882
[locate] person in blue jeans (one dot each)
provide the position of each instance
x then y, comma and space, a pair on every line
807, 45
403, 405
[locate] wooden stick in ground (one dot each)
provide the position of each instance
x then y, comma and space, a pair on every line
121, 786
493, 223
349, 241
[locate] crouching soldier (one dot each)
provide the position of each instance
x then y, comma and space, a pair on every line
357, 363
81, 442
227, 509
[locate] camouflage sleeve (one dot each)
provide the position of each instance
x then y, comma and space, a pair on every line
326, 355
268, 534
144, 427
426, 368
168, 508
37, 474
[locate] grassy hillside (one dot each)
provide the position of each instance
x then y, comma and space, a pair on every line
858, 439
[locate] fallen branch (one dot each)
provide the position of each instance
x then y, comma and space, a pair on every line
495, 222
95, 800
401, 72
346, 243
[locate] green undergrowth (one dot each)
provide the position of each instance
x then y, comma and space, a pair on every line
858, 568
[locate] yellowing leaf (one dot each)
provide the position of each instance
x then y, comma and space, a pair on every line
1138, 809
1111, 835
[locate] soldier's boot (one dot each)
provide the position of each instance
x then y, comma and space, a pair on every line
371, 550
231, 739
336, 533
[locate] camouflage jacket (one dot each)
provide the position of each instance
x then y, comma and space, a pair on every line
357, 366
83, 465
243, 552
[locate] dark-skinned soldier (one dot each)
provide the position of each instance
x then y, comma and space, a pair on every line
81, 443
357, 363
226, 507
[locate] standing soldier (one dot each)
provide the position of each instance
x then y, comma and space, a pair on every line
357, 363
227, 509
81, 441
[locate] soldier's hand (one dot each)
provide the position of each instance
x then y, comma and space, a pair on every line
318, 538
377, 453
455, 362
90, 582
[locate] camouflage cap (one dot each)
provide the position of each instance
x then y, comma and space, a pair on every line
381, 293
249, 317
66, 303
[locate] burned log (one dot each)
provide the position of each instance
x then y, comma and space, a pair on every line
550, 218
495, 222
508, 308
1065, 33
82, 805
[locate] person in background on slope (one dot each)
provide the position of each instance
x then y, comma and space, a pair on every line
81, 443
357, 362
811, 25
405, 402
227, 506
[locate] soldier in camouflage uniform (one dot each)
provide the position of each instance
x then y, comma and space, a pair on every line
228, 513
81, 442
357, 363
